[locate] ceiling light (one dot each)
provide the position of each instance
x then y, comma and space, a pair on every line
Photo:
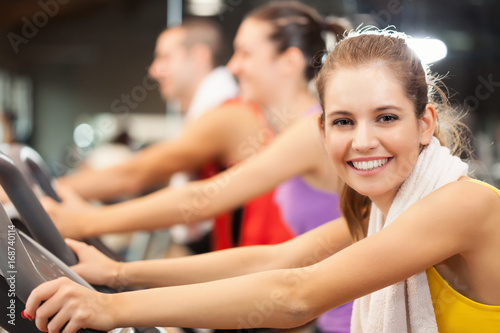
428, 50
83, 135
205, 7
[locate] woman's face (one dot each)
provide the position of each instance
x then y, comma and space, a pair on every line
372, 134
255, 61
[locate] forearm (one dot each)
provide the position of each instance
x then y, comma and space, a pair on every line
199, 268
311, 247
145, 171
203, 199
227, 304
192, 203
101, 184
160, 209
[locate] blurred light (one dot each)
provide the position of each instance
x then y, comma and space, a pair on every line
205, 7
458, 40
428, 50
83, 135
106, 127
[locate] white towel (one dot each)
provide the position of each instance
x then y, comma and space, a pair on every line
216, 88
385, 311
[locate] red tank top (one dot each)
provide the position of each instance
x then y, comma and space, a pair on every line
257, 222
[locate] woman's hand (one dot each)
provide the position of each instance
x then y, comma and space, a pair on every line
95, 267
70, 216
68, 307
4, 198
71, 199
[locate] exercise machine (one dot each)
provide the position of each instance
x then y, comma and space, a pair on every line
35, 172
24, 263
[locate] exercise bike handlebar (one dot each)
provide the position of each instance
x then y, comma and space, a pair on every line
20, 271
37, 220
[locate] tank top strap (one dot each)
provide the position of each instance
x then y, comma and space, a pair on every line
493, 188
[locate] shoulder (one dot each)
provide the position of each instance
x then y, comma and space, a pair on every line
478, 200
238, 106
234, 113
470, 199
225, 114
461, 209
307, 127
468, 194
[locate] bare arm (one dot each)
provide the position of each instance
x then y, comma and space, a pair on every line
296, 152
304, 250
202, 141
430, 231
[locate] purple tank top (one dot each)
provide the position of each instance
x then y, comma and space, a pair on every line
304, 208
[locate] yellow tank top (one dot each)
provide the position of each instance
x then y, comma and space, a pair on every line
456, 313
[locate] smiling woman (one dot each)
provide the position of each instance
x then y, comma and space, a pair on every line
380, 126
375, 132
383, 116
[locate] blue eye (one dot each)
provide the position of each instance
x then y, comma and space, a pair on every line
342, 122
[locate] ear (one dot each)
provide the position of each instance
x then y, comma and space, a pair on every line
293, 60
202, 54
321, 130
427, 124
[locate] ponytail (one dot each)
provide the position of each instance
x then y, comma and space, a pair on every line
355, 208
338, 26
298, 25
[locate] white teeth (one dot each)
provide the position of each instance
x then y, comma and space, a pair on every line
370, 165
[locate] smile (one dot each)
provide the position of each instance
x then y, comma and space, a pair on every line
369, 165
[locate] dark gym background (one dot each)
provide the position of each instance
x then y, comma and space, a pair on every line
67, 58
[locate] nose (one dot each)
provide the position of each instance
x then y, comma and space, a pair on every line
364, 138
153, 70
234, 64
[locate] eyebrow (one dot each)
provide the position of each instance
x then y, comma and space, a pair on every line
388, 107
337, 113
377, 110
